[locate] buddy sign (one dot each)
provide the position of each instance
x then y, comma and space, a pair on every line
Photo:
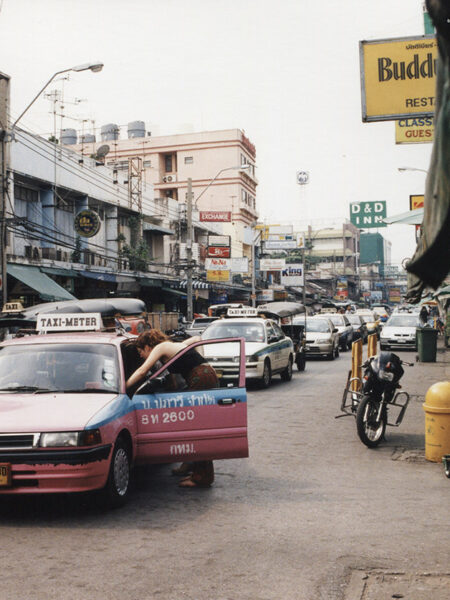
366, 215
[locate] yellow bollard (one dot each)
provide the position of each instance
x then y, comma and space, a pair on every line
357, 352
437, 421
371, 345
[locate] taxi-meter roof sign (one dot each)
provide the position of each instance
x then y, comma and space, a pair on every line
52, 322
242, 312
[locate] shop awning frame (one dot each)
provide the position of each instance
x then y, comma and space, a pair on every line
44, 285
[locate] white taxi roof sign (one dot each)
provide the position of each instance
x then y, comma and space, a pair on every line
247, 311
52, 322
12, 307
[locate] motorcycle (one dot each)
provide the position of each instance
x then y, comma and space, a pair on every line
371, 405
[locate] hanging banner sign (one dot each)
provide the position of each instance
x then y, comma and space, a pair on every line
272, 264
398, 77
217, 264
219, 240
87, 223
219, 251
212, 275
215, 216
366, 215
414, 131
239, 265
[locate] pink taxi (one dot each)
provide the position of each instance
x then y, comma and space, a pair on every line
67, 423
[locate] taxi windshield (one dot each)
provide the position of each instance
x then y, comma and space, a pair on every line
77, 368
252, 332
337, 319
319, 326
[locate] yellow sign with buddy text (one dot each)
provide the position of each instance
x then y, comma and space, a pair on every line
398, 77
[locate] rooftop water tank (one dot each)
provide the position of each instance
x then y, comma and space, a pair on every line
136, 129
87, 138
109, 132
68, 136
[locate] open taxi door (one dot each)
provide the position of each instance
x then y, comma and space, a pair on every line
192, 425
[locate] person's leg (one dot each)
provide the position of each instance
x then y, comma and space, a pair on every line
202, 475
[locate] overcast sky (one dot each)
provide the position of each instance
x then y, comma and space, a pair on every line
285, 72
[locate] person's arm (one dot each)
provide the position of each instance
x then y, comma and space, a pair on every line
191, 340
156, 354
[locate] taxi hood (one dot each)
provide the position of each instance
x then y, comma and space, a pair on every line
53, 411
229, 350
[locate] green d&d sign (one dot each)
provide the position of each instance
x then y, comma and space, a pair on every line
365, 215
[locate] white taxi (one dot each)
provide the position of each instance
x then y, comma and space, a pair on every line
268, 350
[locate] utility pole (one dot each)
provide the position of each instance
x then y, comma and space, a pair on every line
4, 160
189, 269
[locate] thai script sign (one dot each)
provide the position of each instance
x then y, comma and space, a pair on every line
219, 251
272, 264
87, 223
219, 240
366, 215
398, 77
217, 275
281, 245
239, 265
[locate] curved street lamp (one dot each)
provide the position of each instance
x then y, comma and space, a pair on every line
95, 67
402, 169
238, 168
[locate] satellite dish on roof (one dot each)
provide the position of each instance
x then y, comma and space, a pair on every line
102, 151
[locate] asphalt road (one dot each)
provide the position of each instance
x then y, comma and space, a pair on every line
310, 508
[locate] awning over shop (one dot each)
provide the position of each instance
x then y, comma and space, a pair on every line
196, 284
175, 292
157, 229
40, 282
59, 271
411, 217
110, 277
149, 282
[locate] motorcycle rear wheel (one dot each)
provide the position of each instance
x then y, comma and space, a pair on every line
370, 431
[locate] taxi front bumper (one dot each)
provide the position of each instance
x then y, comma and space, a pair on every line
228, 370
56, 471
318, 348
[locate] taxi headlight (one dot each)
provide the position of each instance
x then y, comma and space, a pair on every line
252, 358
70, 438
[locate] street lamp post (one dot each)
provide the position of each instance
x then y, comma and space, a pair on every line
5, 136
189, 239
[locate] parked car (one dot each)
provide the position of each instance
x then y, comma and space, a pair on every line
371, 319
198, 326
267, 349
400, 332
322, 337
345, 330
359, 327
69, 424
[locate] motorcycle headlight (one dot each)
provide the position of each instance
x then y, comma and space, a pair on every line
386, 376
70, 438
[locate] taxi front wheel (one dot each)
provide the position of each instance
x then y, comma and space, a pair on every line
267, 375
118, 484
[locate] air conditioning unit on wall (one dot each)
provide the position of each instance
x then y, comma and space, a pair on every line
169, 178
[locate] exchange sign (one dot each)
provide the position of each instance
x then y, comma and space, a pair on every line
366, 215
398, 77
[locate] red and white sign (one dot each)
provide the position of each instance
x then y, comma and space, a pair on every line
217, 264
215, 216
219, 251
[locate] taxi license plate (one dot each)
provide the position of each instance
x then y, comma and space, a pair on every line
5, 474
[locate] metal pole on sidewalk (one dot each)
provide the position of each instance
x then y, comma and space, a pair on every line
189, 302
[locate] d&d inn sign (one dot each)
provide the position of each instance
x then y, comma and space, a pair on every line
87, 223
366, 215
398, 77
